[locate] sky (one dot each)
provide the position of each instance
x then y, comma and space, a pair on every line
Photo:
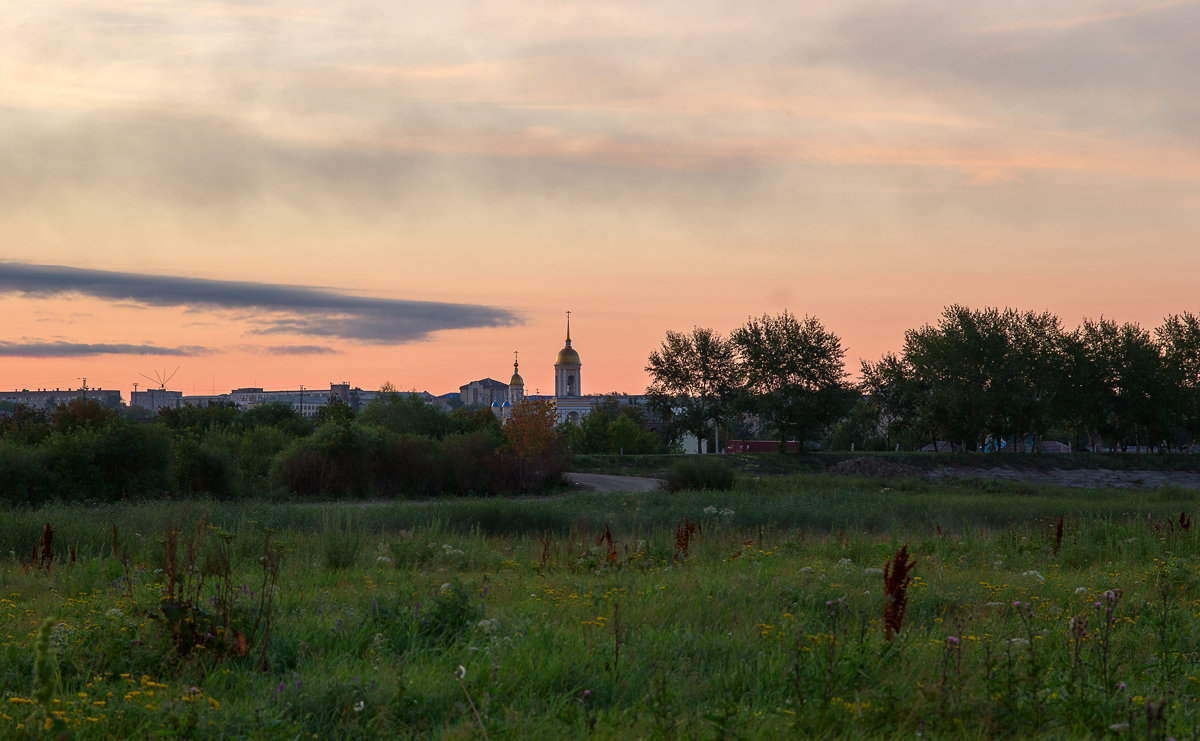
288, 192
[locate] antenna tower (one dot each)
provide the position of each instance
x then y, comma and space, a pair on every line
162, 379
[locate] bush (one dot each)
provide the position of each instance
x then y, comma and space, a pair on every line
700, 473
206, 469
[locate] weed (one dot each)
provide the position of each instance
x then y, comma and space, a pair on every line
897, 577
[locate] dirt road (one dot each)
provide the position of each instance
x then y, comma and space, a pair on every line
605, 483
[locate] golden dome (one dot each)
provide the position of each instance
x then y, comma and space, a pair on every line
516, 379
567, 356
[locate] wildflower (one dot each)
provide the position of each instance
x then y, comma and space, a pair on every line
726, 512
952, 640
358, 706
445, 588
710, 510
461, 672
1081, 590
1035, 575
1019, 641
383, 559
1118, 727
486, 626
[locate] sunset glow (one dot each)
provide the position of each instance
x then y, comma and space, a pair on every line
274, 193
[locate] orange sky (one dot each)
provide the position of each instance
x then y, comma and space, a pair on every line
647, 166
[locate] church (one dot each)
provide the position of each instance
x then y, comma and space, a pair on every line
569, 401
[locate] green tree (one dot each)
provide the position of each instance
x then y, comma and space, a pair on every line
694, 377
795, 374
1179, 338
25, 425
1122, 379
901, 399
281, 415
407, 414
534, 443
75, 414
333, 411
218, 414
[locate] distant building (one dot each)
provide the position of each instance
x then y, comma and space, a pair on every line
484, 392
569, 401
305, 401
155, 399
47, 399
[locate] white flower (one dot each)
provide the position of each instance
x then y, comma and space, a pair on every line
1035, 575
487, 626
461, 672
726, 512
872, 571
845, 563
805, 569
1080, 590
445, 588
710, 510
1118, 726
383, 559
1019, 641
358, 706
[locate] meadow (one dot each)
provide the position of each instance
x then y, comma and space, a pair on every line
804, 604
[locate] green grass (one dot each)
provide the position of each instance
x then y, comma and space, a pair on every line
585, 616
766, 464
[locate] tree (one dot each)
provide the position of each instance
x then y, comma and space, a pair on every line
281, 415
1123, 383
795, 374
1179, 338
406, 414
693, 379
611, 427
333, 411
900, 397
534, 443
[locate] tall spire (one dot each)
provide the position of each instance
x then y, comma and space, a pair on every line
515, 361
568, 328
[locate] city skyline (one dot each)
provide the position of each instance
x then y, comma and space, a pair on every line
276, 194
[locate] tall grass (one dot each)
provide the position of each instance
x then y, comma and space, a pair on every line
580, 616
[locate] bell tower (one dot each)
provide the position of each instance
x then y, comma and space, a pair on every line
516, 384
567, 382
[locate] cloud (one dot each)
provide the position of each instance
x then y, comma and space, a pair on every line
299, 350
78, 349
279, 308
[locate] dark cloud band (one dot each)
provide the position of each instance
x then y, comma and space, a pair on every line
302, 310
76, 349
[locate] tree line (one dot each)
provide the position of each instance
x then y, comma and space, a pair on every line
396, 446
979, 379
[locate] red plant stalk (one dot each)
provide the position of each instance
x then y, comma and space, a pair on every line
897, 575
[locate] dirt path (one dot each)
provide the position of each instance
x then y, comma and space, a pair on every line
606, 483
1087, 478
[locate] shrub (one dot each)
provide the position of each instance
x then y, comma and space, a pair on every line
206, 469
700, 473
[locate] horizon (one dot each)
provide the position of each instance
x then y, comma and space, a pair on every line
273, 193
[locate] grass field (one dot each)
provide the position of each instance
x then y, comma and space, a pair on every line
756, 613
